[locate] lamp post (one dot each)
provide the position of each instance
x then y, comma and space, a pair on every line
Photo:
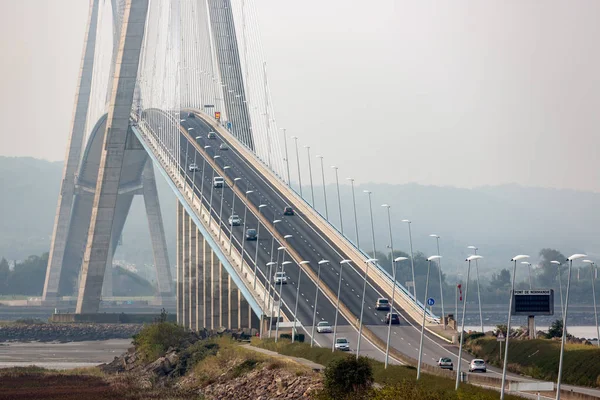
355, 217
412, 259
244, 233
211, 195
232, 213
462, 329
281, 248
387, 346
529, 272
429, 260
372, 224
337, 184
337, 304
437, 240
202, 183
312, 335
312, 191
324, 190
478, 290
564, 335
221, 207
298, 161
283, 264
272, 250
387, 206
260, 207
287, 160
514, 259
362, 305
562, 307
593, 267
297, 296
266, 304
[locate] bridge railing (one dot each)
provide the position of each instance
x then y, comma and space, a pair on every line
414, 307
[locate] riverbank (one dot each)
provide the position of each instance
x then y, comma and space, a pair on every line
35, 331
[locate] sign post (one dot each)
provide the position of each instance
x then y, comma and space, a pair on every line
500, 338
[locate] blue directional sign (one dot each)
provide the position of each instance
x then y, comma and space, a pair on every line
430, 301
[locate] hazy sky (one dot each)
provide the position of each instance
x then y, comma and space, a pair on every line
461, 93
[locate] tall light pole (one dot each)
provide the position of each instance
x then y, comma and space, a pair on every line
287, 159
514, 259
283, 264
202, 183
593, 268
387, 206
314, 323
337, 184
387, 346
312, 191
564, 335
212, 186
412, 259
337, 304
221, 207
244, 233
429, 260
372, 224
355, 216
260, 207
462, 329
529, 272
437, 239
478, 291
362, 305
298, 161
562, 307
297, 296
232, 213
266, 304
324, 190
272, 251
281, 248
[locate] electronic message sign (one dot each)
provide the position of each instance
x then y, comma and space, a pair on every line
533, 302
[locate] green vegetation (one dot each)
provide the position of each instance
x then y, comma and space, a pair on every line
348, 377
539, 358
154, 340
26, 278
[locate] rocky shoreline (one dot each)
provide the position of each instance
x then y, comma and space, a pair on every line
62, 333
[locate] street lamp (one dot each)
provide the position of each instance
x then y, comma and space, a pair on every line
324, 190
412, 259
355, 217
337, 183
281, 248
287, 160
593, 266
312, 335
437, 240
387, 346
297, 296
225, 168
514, 259
211, 194
244, 233
337, 304
564, 335
478, 291
202, 183
312, 191
562, 307
232, 213
266, 305
462, 329
429, 260
362, 305
272, 250
372, 224
529, 271
283, 264
387, 206
298, 161
260, 207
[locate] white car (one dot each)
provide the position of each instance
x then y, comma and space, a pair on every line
280, 278
223, 146
218, 181
342, 344
324, 327
193, 167
445, 363
235, 220
477, 365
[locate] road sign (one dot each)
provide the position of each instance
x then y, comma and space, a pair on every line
228, 124
430, 301
500, 337
533, 302
218, 115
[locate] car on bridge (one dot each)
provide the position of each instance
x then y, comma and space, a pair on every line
251, 234
212, 135
445, 363
324, 327
193, 167
223, 146
280, 278
235, 220
288, 210
342, 344
477, 365
382, 304
395, 318
218, 182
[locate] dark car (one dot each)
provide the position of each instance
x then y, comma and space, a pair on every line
288, 211
395, 319
191, 115
212, 135
251, 234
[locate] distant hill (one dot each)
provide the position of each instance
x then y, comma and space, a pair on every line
501, 220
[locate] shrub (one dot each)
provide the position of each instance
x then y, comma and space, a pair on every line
154, 340
299, 337
347, 376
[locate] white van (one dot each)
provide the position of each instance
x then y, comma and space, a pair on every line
218, 181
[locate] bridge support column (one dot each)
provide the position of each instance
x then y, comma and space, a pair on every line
192, 268
180, 249
111, 161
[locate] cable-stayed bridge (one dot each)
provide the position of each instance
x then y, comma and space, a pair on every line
181, 87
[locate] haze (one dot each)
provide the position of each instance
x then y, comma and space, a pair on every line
458, 93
